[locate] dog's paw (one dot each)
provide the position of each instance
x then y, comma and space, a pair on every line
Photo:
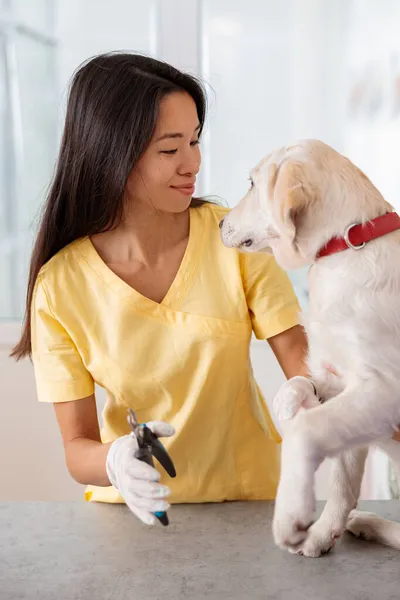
364, 525
294, 513
321, 538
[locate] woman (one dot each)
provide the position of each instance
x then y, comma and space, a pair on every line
130, 287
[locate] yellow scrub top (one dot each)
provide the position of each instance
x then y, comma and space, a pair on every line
185, 361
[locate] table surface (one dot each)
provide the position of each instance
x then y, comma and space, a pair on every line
94, 551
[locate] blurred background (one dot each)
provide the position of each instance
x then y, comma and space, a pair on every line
274, 71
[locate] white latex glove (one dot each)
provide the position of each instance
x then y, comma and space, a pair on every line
138, 482
294, 395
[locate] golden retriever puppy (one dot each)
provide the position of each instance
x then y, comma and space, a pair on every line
310, 205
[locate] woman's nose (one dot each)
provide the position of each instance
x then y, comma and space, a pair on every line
190, 162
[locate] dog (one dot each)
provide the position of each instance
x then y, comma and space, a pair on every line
306, 203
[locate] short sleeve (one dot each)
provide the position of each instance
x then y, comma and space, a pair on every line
59, 371
272, 302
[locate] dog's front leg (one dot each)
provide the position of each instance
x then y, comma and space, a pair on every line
355, 417
344, 490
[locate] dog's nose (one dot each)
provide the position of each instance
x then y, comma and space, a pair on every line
247, 243
221, 223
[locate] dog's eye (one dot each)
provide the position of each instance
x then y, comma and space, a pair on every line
251, 183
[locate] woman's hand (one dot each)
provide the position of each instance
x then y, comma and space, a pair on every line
137, 481
295, 394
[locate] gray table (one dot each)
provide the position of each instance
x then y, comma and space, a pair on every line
57, 551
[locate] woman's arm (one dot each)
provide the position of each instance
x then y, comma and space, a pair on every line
290, 349
85, 454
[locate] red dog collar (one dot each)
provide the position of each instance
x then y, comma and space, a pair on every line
357, 234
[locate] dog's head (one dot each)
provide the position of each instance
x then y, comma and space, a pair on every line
299, 198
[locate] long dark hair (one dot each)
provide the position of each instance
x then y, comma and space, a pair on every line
111, 115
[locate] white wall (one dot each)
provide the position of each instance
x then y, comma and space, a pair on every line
31, 456
373, 133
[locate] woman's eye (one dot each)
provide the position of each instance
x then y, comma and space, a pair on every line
175, 150
251, 183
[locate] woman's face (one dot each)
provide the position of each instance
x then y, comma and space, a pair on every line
165, 175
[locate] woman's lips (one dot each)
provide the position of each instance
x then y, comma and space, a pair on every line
186, 190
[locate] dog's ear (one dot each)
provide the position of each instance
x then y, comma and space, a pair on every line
292, 193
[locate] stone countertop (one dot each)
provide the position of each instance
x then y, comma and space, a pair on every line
74, 551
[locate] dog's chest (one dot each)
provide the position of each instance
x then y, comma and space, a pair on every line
351, 327
330, 319
332, 340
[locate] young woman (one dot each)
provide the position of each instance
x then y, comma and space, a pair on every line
131, 288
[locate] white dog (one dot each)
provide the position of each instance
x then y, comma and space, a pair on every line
303, 198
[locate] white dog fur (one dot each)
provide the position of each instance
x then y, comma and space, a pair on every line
300, 197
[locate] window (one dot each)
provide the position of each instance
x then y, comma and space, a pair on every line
28, 134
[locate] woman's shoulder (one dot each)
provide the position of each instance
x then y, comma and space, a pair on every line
211, 214
65, 261
215, 255
212, 211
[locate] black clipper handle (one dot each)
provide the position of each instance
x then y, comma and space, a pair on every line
145, 455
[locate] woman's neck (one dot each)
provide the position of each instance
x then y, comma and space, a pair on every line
143, 236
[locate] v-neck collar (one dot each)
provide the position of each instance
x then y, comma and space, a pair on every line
178, 286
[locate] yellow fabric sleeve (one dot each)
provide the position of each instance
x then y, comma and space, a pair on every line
59, 371
271, 299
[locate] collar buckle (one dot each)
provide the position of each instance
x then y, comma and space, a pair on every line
347, 239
